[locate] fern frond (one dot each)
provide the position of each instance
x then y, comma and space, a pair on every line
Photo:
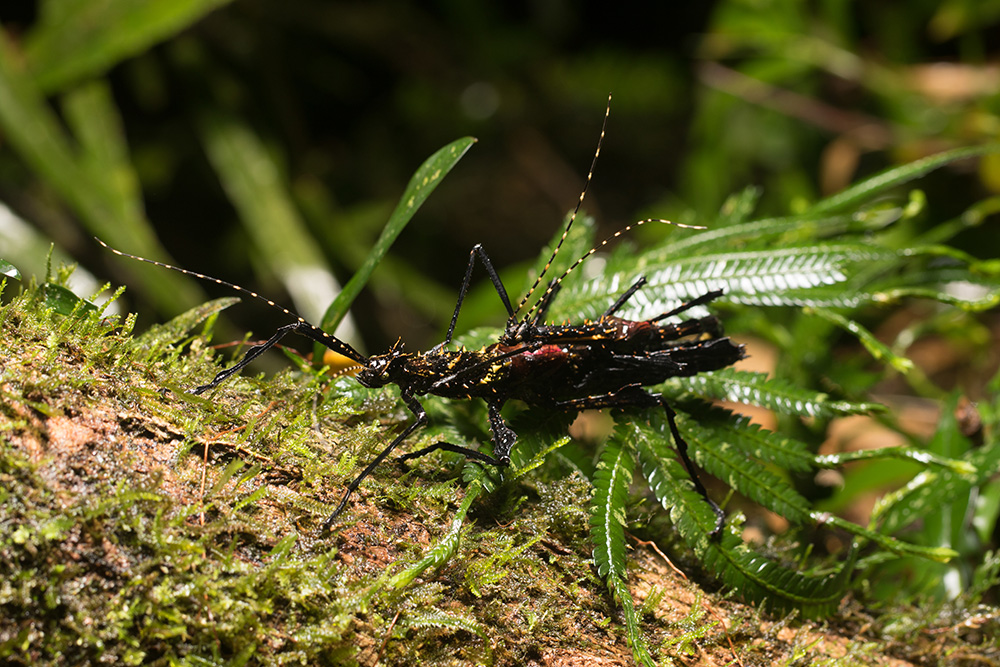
636, 638
755, 576
607, 530
879, 350
940, 554
775, 394
745, 474
764, 445
607, 519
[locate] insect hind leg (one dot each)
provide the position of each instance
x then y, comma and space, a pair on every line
449, 447
634, 396
623, 299
688, 305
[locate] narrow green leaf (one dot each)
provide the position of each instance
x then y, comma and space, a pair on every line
893, 177
79, 38
421, 185
183, 324
440, 552
103, 151
33, 130
791, 230
231, 469
879, 350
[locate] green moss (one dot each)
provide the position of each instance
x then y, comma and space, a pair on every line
143, 526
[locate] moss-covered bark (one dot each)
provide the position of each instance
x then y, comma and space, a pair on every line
142, 525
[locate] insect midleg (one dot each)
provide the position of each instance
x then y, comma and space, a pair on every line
634, 396
497, 283
421, 419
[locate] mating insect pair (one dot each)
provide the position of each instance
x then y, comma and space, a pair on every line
605, 363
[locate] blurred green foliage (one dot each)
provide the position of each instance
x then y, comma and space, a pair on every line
127, 120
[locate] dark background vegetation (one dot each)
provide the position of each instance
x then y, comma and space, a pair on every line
349, 98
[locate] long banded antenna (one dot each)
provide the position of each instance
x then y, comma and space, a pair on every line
572, 218
554, 285
302, 326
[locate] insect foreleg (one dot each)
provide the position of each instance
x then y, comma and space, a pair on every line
301, 327
494, 276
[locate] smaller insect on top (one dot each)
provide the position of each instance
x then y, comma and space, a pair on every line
524, 328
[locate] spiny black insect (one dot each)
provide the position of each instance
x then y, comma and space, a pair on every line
604, 363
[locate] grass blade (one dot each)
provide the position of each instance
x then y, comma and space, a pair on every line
423, 183
257, 189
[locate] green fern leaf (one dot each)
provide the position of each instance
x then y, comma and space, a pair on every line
607, 530
725, 460
607, 520
762, 444
775, 394
755, 576
784, 276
